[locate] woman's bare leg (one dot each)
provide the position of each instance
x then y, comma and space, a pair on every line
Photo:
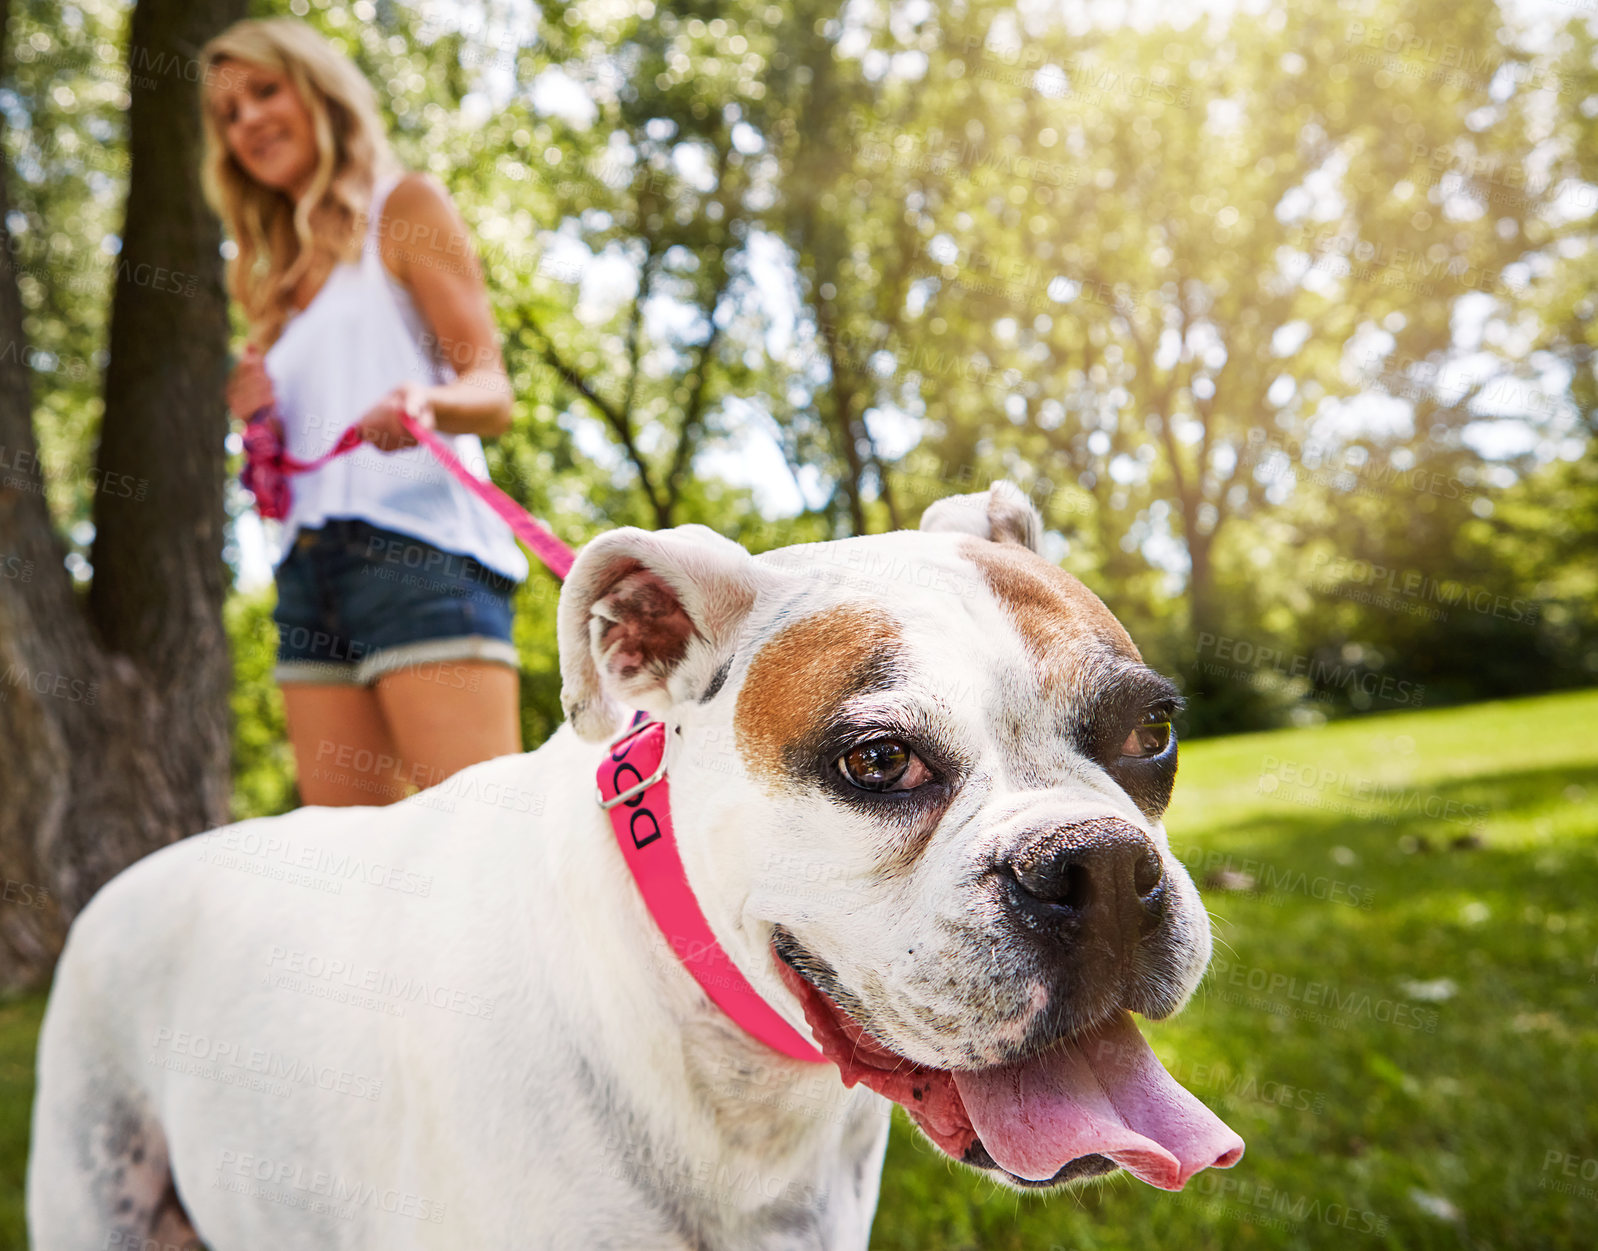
343, 751
448, 714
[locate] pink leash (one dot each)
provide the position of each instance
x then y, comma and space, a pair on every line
539, 537
632, 782
268, 467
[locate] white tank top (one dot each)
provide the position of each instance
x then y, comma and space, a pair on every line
358, 339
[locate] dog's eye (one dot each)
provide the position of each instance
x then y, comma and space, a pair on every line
1149, 739
884, 764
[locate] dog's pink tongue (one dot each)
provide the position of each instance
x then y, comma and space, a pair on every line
1103, 1093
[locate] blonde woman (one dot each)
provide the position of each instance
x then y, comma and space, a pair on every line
364, 302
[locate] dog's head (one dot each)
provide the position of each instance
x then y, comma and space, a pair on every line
926, 770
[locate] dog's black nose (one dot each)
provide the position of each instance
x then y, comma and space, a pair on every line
1102, 878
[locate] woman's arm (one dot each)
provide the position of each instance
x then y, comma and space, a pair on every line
426, 246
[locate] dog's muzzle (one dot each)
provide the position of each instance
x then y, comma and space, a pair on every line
1093, 900
1101, 879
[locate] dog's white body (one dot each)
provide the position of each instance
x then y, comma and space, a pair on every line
452, 1023
570, 1059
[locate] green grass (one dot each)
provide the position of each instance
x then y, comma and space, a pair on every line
1370, 1121
1365, 1128
19, 1026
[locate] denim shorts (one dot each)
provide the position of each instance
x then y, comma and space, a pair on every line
355, 602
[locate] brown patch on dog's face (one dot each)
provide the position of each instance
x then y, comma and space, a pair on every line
1062, 622
799, 679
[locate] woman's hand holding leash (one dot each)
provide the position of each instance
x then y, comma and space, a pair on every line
249, 389
382, 427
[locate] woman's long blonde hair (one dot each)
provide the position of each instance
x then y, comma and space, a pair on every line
279, 241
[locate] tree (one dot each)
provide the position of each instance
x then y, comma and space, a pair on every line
114, 713
1146, 272
1214, 243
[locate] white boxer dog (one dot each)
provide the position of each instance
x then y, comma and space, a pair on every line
916, 781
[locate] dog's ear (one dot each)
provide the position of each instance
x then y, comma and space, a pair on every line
1001, 513
634, 604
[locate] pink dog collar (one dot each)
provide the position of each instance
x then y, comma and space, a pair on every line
634, 790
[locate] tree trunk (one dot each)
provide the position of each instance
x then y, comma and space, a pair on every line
1203, 614
113, 708
845, 429
820, 163
37, 616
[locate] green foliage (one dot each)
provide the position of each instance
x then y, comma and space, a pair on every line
1205, 290
262, 759
535, 642
1173, 258
1445, 866
62, 96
